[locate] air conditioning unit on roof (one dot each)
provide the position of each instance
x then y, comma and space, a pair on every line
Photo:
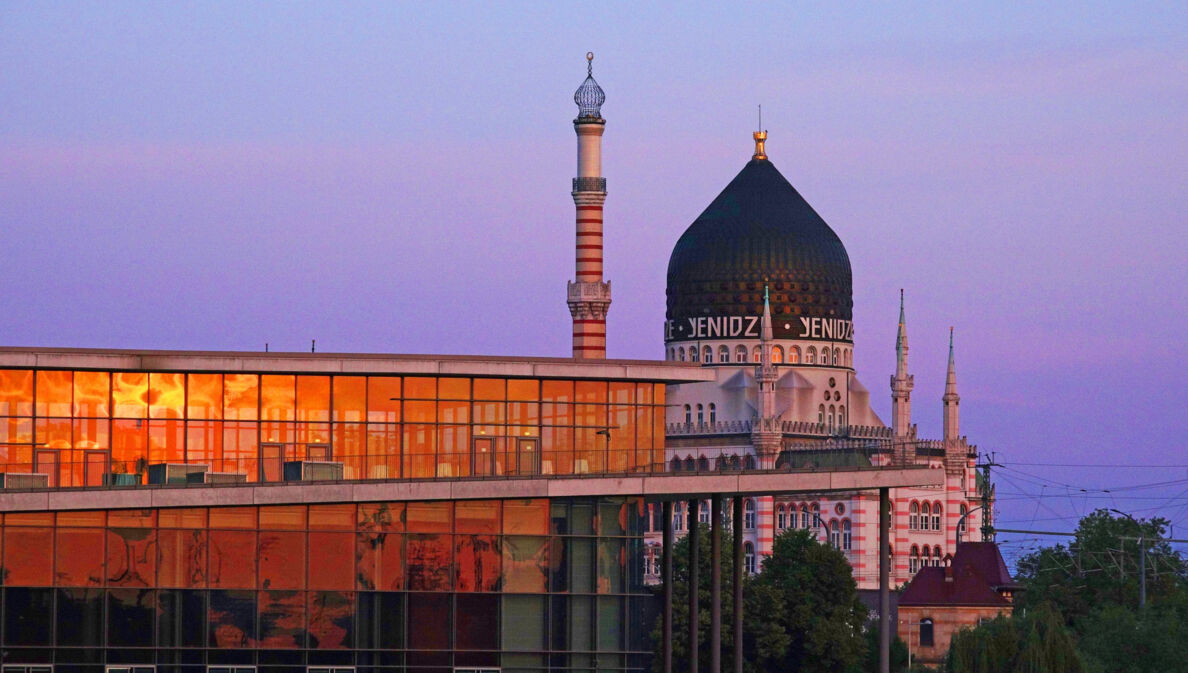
313, 470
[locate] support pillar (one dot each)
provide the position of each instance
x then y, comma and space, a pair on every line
666, 577
884, 581
694, 583
737, 573
716, 583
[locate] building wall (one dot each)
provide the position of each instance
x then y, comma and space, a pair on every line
527, 585
947, 620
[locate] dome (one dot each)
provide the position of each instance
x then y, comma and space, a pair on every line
759, 231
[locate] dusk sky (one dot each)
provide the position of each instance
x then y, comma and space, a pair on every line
395, 178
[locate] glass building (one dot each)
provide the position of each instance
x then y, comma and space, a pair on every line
281, 512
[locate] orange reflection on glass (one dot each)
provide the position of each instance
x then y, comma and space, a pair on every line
313, 398
54, 392
167, 395
282, 517
166, 441
523, 390
591, 392
16, 392
643, 393
131, 556
383, 517
478, 516
129, 394
418, 443
182, 517
350, 398
241, 396
232, 559
329, 611
92, 433
183, 559
204, 396
556, 391
451, 388
135, 518
383, 399
622, 392
27, 561
430, 562
79, 561
477, 558
240, 448
525, 564
429, 517
526, 517
489, 389
331, 561
129, 446
204, 443
420, 387
332, 517
92, 391
233, 517
82, 519
282, 560
350, 447
53, 433
277, 397
379, 558
282, 619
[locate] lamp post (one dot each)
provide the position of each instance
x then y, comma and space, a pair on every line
1142, 558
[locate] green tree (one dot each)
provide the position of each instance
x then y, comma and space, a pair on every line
800, 613
1033, 643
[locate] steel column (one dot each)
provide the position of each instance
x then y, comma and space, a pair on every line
737, 573
694, 515
884, 581
666, 577
716, 583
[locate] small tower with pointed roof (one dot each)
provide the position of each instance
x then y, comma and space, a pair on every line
902, 382
952, 429
766, 435
588, 295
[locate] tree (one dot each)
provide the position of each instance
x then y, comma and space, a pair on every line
1032, 643
800, 613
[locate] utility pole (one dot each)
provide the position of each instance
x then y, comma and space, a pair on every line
987, 507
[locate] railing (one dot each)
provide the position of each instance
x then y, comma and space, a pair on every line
787, 427
589, 185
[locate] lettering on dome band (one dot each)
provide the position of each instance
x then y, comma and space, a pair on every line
747, 327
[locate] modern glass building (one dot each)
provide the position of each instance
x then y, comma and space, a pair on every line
282, 512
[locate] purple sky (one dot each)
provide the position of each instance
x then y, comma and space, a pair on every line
396, 179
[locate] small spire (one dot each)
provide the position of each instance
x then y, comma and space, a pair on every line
589, 96
952, 419
951, 375
901, 341
951, 362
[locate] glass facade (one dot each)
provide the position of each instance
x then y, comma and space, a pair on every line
521, 585
95, 428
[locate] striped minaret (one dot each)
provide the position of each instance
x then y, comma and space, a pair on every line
588, 294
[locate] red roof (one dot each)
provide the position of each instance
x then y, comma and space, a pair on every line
974, 577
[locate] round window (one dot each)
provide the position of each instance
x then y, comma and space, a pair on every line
832, 382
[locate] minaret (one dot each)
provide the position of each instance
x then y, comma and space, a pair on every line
902, 382
589, 297
950, 398
766, 435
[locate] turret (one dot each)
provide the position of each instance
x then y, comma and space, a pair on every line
902, 382
766, 435
950, 398
588, 296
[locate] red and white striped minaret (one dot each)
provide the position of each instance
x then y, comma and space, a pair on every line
589, 296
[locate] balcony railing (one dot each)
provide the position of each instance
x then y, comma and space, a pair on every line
589, 185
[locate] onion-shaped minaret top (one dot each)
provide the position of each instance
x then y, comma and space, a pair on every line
589, 96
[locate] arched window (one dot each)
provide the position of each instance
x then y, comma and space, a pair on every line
681, 353
703, 512
836, 355
703, 464
740, 354
849, 356
936, 556
781, 518
678, 516
810, 356
841, 417
689, 465
821, 415
794, 355
835, 534
749, 557
735, 463
758, 354
675, 465
694, 354
688, 415
723, 353
713, 408
914, 516
777, 355
824, 356
816, 509
707, 354
805, 522
749, 462
936, 516
749, 515
926, 637
961, 522
926, 557
700, 414
832, 411
657, 517
847, 535
914, 560
671, 353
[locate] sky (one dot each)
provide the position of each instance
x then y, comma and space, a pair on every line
395, 178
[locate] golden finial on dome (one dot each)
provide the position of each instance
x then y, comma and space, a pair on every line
760, 137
